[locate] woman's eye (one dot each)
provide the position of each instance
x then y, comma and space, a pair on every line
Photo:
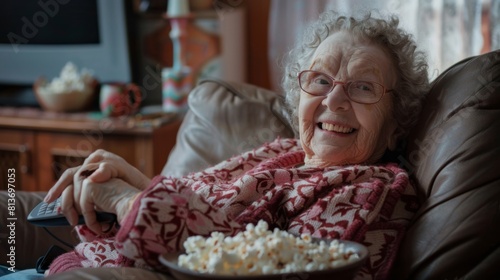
364, 86
321, 80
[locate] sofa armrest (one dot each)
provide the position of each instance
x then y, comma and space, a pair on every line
28, 242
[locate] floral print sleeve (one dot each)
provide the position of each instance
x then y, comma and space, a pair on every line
172, 209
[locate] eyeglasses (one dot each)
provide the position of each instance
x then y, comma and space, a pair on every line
320, 84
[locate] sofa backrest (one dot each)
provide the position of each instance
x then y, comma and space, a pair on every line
454, 157
224, 120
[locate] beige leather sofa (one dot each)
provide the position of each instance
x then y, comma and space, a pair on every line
453, 156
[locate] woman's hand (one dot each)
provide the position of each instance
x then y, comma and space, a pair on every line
99, 167
80, 191
113, 196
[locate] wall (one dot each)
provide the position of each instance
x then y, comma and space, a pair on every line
257, 32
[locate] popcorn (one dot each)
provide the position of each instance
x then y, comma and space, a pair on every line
69, 80
258, 251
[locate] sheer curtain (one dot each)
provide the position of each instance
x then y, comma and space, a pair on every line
446, 30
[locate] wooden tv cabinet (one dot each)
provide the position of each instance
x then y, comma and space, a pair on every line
38, 146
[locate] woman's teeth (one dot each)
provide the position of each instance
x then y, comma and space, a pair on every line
336, 128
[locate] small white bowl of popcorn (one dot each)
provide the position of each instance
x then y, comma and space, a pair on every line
258, 253
72, 91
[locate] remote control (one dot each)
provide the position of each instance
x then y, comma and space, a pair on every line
45, 215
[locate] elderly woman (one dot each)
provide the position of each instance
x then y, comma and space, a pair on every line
354, 87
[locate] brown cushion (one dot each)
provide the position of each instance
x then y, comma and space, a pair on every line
31, 242
224, 120
454, 157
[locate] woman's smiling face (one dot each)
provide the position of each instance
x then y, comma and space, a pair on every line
333, 129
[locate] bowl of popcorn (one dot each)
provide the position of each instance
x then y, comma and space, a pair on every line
72, 91
259, 253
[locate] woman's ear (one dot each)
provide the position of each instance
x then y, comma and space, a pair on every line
393, 136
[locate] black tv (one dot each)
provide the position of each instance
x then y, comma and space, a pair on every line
38, 37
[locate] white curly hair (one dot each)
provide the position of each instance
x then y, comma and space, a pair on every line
412, 83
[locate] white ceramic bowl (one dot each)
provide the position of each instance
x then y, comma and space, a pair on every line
346, 272
71, 101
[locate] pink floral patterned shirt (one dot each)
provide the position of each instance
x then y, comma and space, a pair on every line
368, 204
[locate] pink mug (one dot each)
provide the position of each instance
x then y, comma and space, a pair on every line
119, 99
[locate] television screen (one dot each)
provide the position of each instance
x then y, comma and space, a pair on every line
28, 22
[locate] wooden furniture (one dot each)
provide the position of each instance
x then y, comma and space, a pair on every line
41, 145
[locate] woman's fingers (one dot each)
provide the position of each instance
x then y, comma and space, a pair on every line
79, 179
68, 206
105, 182
111, 166
85, 206
72, 175
88, 207
97, 156
114, 166
119, 168
113, 196
64, 181
104, 172
100, 166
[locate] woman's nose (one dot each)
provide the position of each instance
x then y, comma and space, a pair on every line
337, 99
